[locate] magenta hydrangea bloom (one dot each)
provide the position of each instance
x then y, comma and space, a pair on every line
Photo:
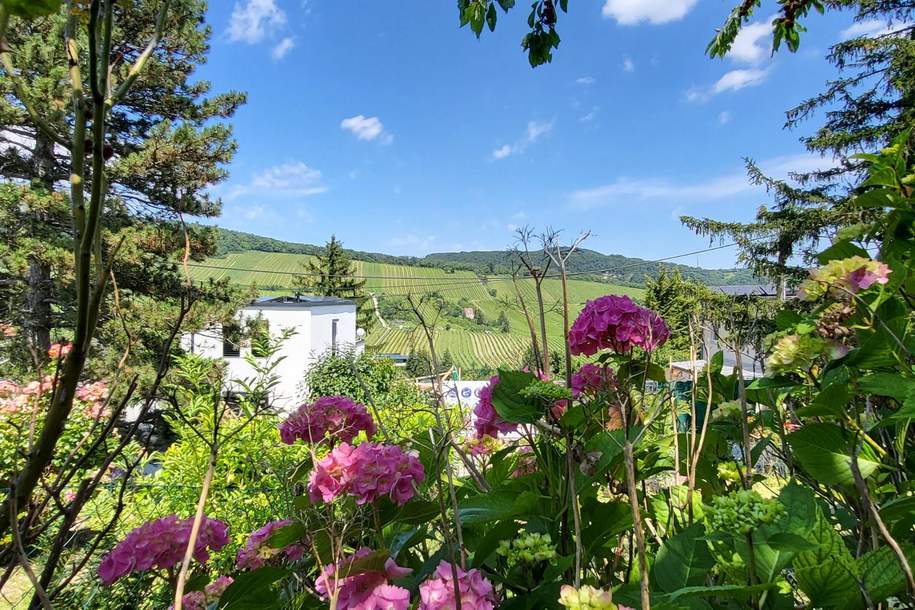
257, 552
160, 544
868, 275
592, 379
486, 419
331, 417
615, 322
366, 590
366, 472
437, 592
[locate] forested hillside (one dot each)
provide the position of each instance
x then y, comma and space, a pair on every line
587, 264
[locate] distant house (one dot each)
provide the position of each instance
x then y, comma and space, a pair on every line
319, 325
469, 313
765, 291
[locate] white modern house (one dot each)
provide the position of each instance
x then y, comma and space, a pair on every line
318, 325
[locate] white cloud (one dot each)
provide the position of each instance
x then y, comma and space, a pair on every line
411, 242
625, 191
734, 80
366, 128
535, 130
871, 28
632, 12
252, 20
586, 80
283, 47
749, 45
724, 117
628, 64
587, 118
287, 180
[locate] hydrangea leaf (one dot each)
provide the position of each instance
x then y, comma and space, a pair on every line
683, 560
507, 399
825, 453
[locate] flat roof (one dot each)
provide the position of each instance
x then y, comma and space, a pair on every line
298, 301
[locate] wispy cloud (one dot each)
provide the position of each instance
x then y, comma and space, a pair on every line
724, 117
751, 46
735, 80
872, 28
253, 20
628, 64
285, 181
590, 116
586, 80
632, 12
283, 47
535, 130
366, 128
625, 190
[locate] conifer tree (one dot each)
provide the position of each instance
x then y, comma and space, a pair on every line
332, 273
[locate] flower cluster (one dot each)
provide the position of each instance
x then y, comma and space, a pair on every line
367, 472
742, 512
482, 445
367, 590
528, 549
592, 380
843, 276
160, 544
257, 551
59, 350
587, 598
332, 417
437, 592
8, 330
487, 420
200, 600
525, 462
793, 352
15, 398
94, 396
615, 322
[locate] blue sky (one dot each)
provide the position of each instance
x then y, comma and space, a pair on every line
386, 124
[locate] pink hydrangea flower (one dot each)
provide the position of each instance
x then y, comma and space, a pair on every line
366, 472
160, 544
525, 462
199, 600
332, 417
437, 592
592, 379
615, 322
59, 350
257, 552
367, 590
486, 419
868, 275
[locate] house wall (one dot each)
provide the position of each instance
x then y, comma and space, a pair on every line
312, 329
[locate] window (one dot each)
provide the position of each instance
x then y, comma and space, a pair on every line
231, 340
333, 336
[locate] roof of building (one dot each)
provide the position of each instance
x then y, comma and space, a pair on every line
298, 301
755, 290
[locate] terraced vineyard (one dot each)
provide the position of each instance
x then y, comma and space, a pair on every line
274, 273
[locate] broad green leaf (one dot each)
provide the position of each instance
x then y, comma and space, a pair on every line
877, 198
373, 562
738, 591
504, 530
253, 590
840, 250
30, 9
509, 404
824, 451
603, 521
829, 402
683, 560
496, 506
826, 575
800, 509
786, 541
881, 573
887, 384
417, 512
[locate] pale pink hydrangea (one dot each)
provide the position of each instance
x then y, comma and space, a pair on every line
331, 417
94, 396
592, 379
367, 590
839, 277
160, 544
437, 592
486, 419
525, 462
366, 472
200, 600
616, 323
257, 551
8, 330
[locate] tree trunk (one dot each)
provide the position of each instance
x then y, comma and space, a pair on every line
39, 294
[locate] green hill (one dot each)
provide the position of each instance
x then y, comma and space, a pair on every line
587, 264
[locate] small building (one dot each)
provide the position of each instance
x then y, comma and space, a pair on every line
318, 325
469, 313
